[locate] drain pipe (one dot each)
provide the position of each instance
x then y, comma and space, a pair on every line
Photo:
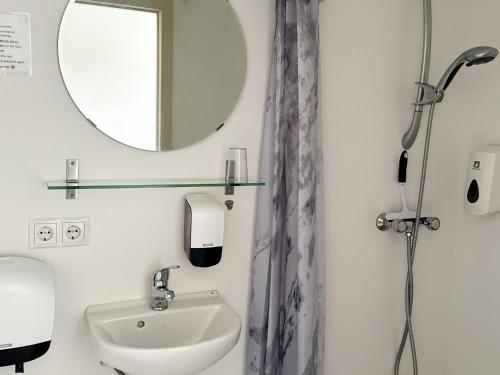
411, 134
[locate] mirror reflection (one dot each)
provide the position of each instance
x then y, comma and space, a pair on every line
153, 74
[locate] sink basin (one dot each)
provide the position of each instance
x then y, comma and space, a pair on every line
195, 332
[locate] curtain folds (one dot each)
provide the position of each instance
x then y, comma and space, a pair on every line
286, 331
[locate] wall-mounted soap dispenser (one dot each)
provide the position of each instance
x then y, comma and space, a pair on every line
27, 308
482, 194
203, 230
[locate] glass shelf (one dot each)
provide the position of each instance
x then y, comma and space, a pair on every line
146, 184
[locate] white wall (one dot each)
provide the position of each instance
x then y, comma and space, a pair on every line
475, 309
370, 59
133, 233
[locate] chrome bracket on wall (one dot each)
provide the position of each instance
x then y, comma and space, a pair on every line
229, 188
72, 178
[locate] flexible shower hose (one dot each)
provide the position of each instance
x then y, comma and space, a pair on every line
411, 245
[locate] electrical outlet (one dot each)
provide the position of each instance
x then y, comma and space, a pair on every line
75, 231
72, 232
43, 233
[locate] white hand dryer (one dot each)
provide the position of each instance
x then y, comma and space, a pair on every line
27, 309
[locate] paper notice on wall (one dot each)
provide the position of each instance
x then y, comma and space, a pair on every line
15, 44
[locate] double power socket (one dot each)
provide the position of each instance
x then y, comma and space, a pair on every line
64, 232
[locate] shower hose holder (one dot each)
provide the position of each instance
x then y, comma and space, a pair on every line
429, 95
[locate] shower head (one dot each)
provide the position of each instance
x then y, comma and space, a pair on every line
473, 56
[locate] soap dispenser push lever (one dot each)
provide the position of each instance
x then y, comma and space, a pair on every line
161, 295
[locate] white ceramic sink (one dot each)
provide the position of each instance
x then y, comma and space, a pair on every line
195, 332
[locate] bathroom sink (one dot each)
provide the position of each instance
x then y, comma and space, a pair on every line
195, 332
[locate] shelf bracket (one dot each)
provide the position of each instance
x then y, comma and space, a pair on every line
72, 177
229, 188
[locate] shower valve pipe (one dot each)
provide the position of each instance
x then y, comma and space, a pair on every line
411, 134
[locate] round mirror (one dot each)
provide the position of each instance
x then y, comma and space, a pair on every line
153, 74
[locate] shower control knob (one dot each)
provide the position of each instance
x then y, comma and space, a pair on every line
432, 223
400, 226
382, 222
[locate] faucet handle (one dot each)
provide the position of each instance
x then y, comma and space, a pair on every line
160, 278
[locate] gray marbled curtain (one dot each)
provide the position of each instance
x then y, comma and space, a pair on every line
286, 330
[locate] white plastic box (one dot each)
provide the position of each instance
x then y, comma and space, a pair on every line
27, 310
482, 190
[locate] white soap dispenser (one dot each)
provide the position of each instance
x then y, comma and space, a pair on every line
203, 230
482, 193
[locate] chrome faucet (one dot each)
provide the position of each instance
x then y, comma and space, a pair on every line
161, 295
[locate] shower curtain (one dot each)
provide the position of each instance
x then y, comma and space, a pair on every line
286, 323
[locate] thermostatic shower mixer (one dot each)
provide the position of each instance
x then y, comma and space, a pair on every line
402, 223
